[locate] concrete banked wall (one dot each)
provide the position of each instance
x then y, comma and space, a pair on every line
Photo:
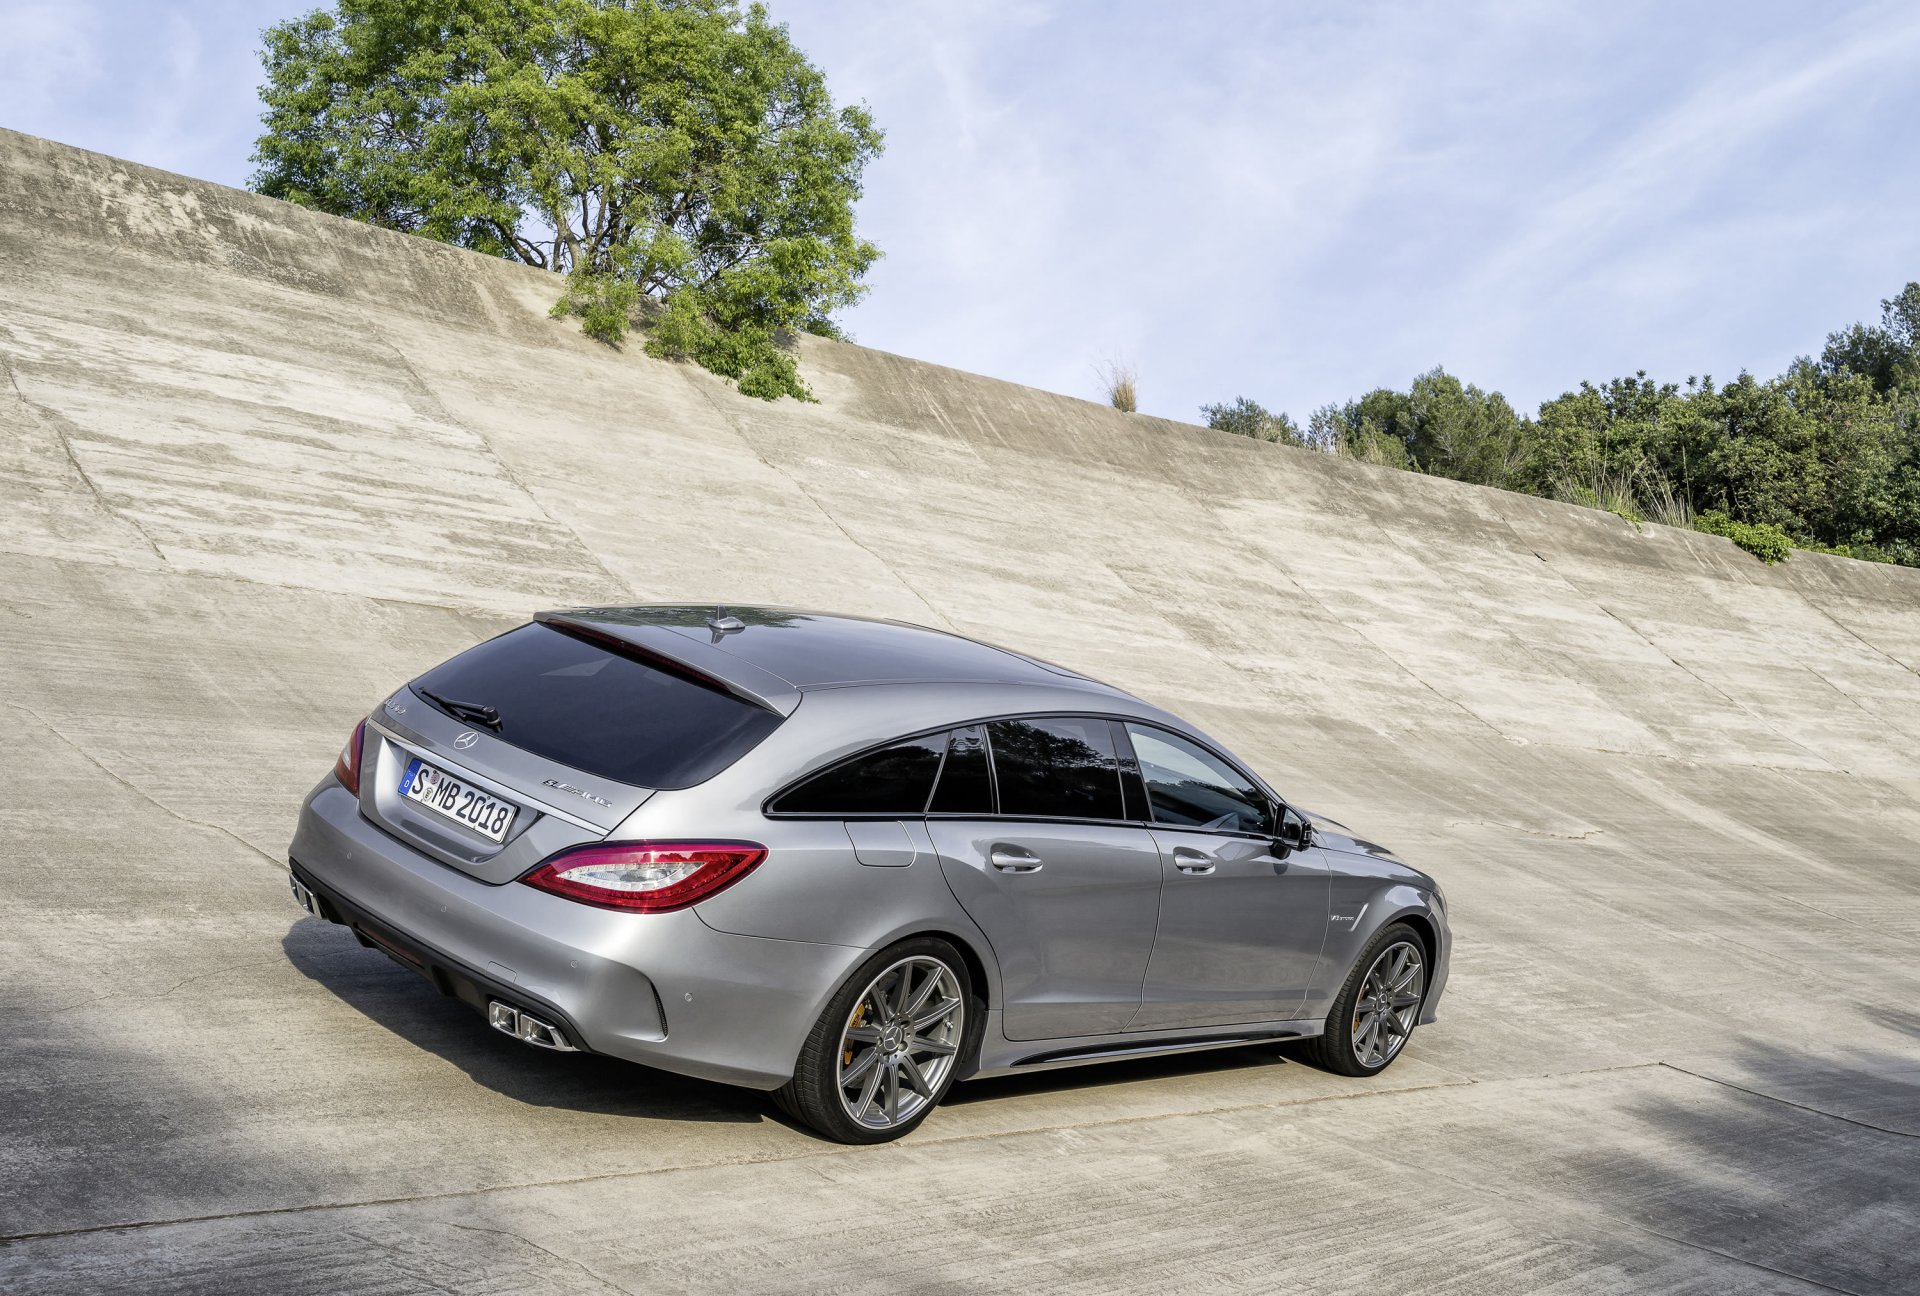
258, 465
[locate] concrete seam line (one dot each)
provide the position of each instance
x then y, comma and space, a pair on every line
746, 440
57, 424
527, 1241
1524, 1203
811, 1155
1871, 646
1727, 1255
499, 460
144, 795
1788, 1102
1719, 692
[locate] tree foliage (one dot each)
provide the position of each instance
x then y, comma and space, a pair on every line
1249, 418
675, 150
1825, 456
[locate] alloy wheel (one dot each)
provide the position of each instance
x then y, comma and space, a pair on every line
900, 1042
1389, 1004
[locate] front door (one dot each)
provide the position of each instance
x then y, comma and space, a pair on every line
1240, 927
1240, 932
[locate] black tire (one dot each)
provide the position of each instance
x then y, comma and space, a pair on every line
813, 1098
1335, 1050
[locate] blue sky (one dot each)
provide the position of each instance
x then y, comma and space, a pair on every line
1290, 201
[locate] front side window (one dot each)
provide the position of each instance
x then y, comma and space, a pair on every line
893, 780
1056, 767
1189, 786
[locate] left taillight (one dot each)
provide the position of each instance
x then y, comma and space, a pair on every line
646, 877
347, 768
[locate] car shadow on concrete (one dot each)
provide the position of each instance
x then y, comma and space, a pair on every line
1106, 1074
406, 1004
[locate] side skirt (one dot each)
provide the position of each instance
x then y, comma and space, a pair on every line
1010, 1059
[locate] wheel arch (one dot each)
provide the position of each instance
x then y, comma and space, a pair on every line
979, 981
1423, 927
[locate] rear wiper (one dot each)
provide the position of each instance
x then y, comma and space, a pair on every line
472, 712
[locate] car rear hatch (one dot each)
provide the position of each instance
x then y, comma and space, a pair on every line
546, 737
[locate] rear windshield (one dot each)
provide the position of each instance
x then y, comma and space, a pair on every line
578, 703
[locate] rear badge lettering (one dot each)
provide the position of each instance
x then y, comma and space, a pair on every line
568, 787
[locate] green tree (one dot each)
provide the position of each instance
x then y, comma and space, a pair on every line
1249, 418
1826, 456
1454, 429
1887, 353
1440, 425
681, 151
1362, 429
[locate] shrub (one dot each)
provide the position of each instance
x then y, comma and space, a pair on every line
1864, 552
1764, 541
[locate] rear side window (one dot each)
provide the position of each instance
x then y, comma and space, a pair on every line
1056, 767
580, 704
895, 780
1190, 786
966, 784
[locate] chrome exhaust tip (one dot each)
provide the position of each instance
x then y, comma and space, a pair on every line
527, 1028
303, 897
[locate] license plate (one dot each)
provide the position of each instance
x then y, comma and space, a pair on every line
444, 794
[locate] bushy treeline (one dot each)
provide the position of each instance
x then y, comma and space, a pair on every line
1825, 456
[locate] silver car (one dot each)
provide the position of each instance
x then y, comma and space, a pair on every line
850, 862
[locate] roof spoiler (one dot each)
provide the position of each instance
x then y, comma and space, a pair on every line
684, 655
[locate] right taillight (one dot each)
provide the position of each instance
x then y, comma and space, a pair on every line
347, 768
646, 877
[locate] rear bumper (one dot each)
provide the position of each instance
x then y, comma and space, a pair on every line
663, 990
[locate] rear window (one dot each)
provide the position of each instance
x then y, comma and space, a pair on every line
1060, 767
582, 705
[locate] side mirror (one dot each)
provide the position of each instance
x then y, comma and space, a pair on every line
1296, 833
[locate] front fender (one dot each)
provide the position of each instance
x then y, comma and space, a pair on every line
1364, 906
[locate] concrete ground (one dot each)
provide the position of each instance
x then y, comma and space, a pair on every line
258, 466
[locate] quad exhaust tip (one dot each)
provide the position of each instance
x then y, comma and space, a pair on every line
527, 1028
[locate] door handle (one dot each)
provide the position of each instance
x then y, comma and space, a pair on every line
1014, 859
1192, 862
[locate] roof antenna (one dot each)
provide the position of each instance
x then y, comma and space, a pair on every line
722, 623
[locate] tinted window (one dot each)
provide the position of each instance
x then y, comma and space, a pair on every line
966, 784
893, 780
577, 703
1190, 786
1059, 767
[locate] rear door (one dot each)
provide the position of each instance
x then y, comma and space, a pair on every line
1240, 928
1028, 822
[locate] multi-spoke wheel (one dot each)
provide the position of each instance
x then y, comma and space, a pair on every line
1378, 1007
900, 1042
884, 1052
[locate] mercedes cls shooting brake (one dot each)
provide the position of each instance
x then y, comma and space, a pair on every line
849, 862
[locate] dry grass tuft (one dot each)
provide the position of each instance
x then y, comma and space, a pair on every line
1118, 379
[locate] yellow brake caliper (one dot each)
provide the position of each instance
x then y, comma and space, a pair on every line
859, 1018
